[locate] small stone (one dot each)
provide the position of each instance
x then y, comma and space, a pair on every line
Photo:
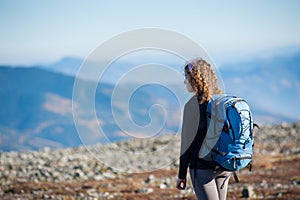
278, 194
46, 149
109, 175
106, 194
151, 178
296, 182
162, 186
145, 190
81, 195
98, 177
285, 125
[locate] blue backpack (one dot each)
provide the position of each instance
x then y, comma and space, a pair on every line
229, 137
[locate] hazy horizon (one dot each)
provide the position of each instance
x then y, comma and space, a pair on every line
44, 32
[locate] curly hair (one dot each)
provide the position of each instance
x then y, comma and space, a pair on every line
203, 79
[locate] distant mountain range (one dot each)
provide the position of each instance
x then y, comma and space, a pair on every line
36, 102
268, 83
36, 111
272, 86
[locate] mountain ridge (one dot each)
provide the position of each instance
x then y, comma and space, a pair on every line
36, 104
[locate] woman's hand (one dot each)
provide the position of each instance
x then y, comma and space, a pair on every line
181, 184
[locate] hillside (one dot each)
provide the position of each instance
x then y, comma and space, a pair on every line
36, 110
36, 104
146, 169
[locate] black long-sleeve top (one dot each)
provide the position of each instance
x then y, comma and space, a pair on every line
194, 129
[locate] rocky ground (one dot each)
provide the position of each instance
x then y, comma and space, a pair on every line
146, 169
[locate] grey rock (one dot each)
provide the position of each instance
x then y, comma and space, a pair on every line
145, 190
151, 179
162, 186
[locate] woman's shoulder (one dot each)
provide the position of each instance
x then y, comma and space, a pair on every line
193, 101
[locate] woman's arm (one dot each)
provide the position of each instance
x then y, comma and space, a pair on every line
190, 124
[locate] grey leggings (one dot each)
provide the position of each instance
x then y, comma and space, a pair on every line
210, 184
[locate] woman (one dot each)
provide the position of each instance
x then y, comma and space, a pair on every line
209, 180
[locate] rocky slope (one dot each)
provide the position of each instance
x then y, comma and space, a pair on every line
146, 169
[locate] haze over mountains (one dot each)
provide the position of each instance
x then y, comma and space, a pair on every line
36, 102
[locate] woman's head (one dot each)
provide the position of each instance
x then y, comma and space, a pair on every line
201, 79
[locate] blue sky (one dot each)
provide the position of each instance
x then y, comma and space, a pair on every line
46, 31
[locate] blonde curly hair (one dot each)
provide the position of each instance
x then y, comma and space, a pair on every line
203, 79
